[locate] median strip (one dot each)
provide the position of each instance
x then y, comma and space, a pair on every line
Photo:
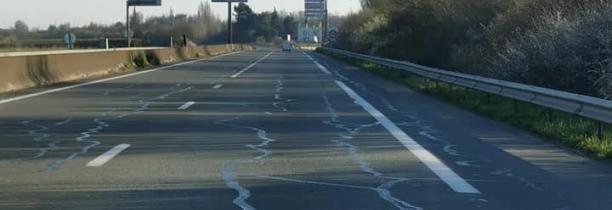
107, 156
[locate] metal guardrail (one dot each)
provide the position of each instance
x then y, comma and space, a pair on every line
586, 106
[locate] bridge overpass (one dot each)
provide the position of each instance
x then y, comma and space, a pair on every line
274, 130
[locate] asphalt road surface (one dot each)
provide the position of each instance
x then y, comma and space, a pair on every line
275, 130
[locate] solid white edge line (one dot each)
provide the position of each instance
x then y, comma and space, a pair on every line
452, 179
447, 175
321, 67
106, 80
107, 156
186, 105
251, 66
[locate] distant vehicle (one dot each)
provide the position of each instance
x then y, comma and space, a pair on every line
287, 47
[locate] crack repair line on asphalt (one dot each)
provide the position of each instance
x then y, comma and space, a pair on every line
452, 179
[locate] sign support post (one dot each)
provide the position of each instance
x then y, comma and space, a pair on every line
326, 24
230, 33
127, 14
127, 24
230, 30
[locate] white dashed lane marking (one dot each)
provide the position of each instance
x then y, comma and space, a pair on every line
107, 156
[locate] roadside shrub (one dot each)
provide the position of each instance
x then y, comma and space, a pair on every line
568, 52
152, 58
563, 45
140, 60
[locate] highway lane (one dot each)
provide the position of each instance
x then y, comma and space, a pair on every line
275, 130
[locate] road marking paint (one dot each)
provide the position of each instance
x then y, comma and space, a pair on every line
107, 156
105, 80
308, 56
350, 131
186, 105
323, 68
447, 175
218, 86
250, 66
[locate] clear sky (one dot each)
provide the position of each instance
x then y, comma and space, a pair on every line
41, 13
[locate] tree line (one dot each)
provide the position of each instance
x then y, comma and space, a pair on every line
201, 28
563, 45
265, 26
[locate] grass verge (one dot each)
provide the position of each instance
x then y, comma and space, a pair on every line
567, 129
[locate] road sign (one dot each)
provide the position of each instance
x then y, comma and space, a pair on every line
69, 40
333, 34
144, 3
313, 6
314, 9
238, 1
314, 15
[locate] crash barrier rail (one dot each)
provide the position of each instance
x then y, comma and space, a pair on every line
586, 106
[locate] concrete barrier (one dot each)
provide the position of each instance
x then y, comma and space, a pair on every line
27, 71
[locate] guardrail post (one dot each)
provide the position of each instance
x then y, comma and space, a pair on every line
600, 130
551, 115
516, 108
